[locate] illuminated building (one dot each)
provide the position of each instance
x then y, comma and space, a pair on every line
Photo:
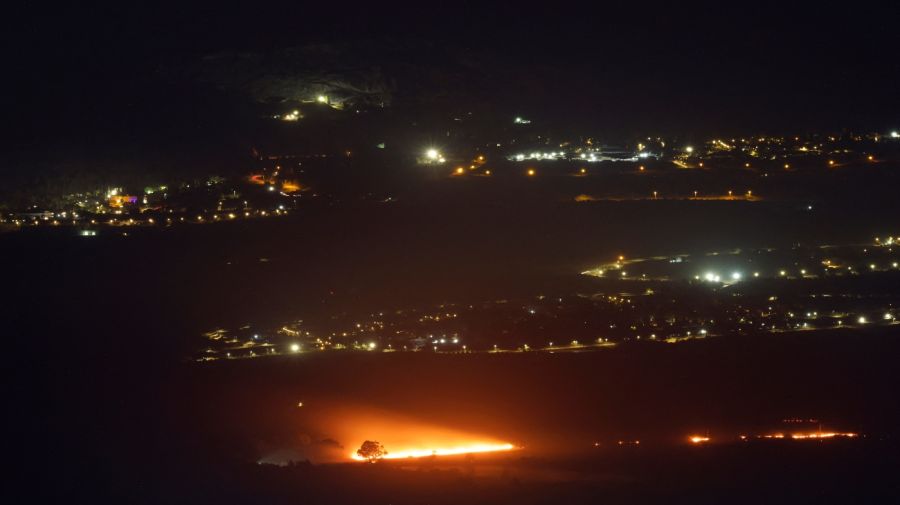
120, 201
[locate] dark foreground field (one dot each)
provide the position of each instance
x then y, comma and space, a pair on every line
751, 473
183, 433
105, 407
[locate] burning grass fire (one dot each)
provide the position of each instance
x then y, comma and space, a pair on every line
372, 434
813, 435
442, 451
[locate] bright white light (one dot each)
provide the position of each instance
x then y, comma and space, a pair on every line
861, 320
888, 316
689, 149
736, 276
321, 98
895, 134
295, 347
371, 345
709, 276
432, 154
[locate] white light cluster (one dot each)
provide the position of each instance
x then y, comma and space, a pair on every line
714, 277
593, 156
539, 156
432, 155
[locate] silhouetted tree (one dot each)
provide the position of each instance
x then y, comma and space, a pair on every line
371, 451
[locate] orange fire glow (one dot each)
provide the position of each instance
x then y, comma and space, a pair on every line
402, 436
443, 451
820, 434
697, 439
811, 435
290, 187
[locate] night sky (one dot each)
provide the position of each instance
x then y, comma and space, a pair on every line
84, 78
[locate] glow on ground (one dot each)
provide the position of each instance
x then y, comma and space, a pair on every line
443, 451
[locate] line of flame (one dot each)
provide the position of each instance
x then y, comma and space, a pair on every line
421, 453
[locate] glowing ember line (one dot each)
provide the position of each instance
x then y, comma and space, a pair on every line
812, 435
829, 434
466, 449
